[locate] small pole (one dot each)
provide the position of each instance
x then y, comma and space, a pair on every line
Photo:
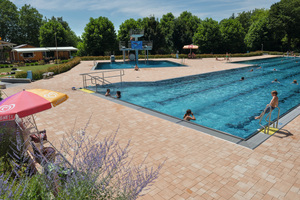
56, 49
35, 124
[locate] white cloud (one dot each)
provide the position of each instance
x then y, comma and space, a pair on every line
144, 8
78, 11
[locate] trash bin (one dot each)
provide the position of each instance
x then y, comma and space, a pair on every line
29, 74
112, 58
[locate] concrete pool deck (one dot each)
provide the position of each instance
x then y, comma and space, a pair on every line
198, 166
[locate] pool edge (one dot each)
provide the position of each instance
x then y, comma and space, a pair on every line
251, 143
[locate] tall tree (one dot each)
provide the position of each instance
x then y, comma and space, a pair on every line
152, 32
8, 21
99, 36
258, 35
245, 19
30, 21
284, 19
167, 24
125, 27
56, 27
232, 35
52, 32
208, 36
185, 27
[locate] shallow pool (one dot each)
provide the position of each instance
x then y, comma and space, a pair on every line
141, 64
220, 100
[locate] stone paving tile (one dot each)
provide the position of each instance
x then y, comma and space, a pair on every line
198, 166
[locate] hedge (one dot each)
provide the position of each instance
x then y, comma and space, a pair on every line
142, 56
36, 75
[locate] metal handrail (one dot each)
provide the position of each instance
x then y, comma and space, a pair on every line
94, 77
268, 120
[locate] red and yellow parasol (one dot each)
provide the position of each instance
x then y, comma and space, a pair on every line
29, 102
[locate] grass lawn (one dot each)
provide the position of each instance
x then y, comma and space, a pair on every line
26, 68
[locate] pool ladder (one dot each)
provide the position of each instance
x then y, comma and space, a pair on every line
268, 120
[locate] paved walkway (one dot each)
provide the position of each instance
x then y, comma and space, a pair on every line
198, 166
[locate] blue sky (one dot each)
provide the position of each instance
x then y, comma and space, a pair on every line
78, 12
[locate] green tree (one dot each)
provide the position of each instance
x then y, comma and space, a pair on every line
99, 36
257, 14
258, 35
8, 21
125, 27
167, 24
59, 29
30, 21
208, 36
284, 19
152, 32
185, 27
71, 38
245, 19
233, 36
49, 31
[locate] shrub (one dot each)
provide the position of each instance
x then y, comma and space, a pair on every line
21, 74
142, 56
37, 75
97, 170
57, 61
27, 64
41, 62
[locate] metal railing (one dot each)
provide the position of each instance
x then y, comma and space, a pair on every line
268, 120
147, 45
100, 78
136, 32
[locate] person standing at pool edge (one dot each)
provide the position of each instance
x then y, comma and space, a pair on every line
273, 104
187, 115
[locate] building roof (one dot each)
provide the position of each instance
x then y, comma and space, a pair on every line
62, 48
20, 46
8, 44
43, 49
31, 50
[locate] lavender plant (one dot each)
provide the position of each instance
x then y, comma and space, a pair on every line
103, 169
94, 170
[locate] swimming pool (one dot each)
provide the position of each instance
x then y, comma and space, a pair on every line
219, 100
141, 64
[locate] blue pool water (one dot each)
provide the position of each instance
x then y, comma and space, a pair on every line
141, 64
219, 100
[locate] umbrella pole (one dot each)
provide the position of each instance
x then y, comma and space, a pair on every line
35, 124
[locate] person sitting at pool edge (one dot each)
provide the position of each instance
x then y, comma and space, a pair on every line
275, 81
272, 105
107, 93
242, 79
187, 115
295, 82
136, 68
118, 95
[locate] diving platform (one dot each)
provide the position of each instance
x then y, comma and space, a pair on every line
135, 45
